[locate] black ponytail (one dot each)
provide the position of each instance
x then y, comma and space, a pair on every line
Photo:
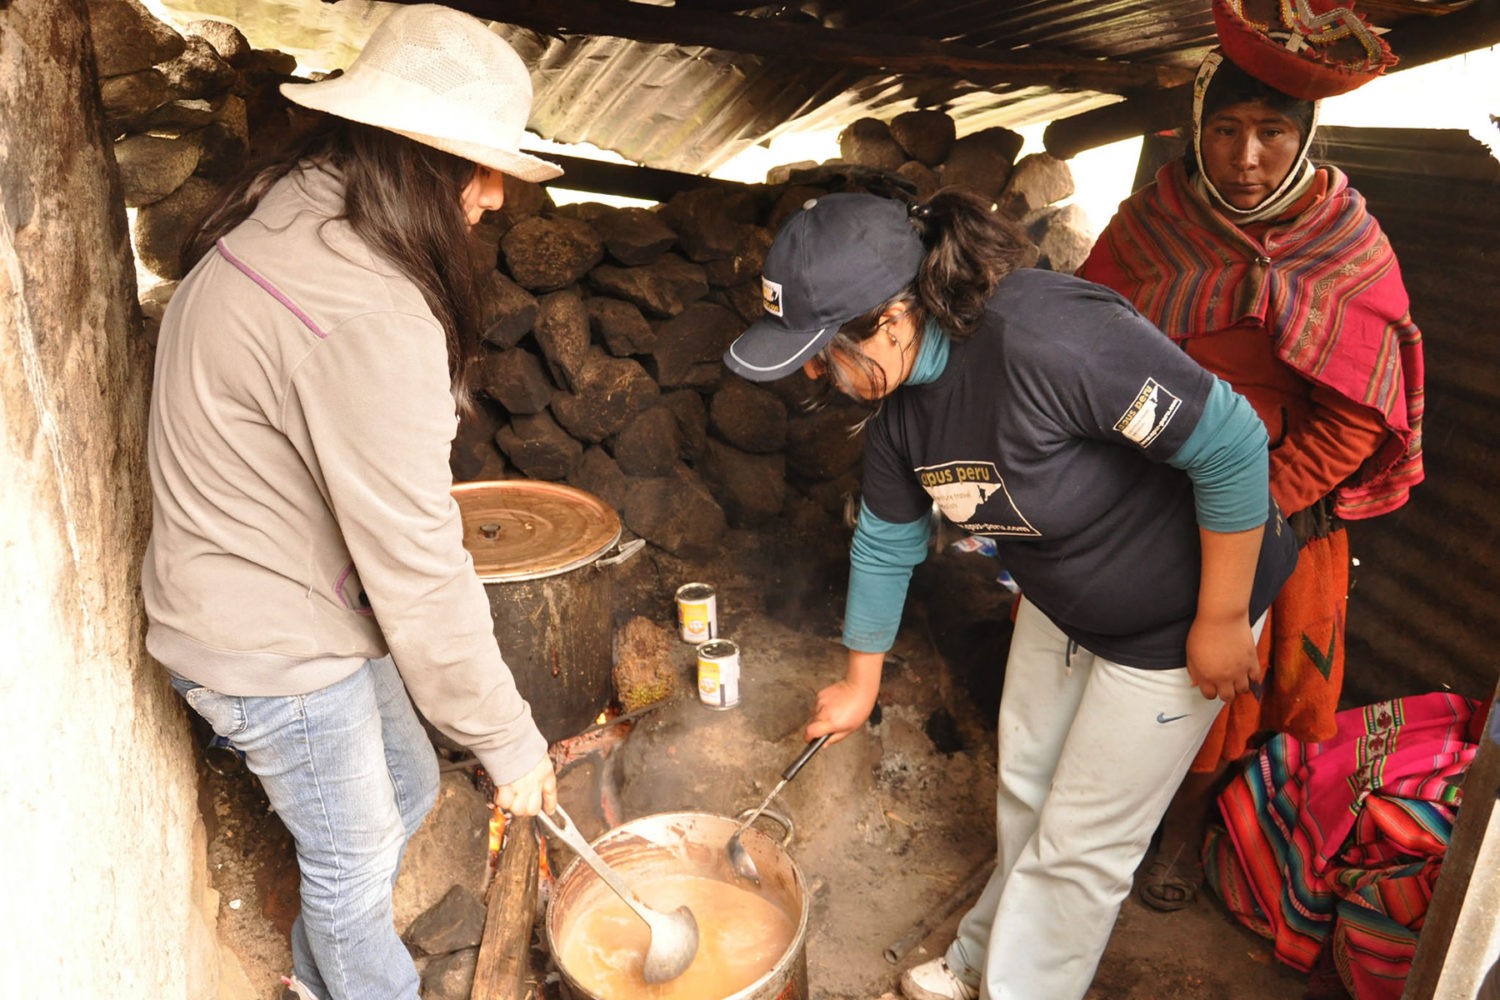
970, 248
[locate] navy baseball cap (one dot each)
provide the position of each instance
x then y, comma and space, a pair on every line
836, 259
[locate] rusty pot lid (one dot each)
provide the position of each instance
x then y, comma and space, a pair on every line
525, 529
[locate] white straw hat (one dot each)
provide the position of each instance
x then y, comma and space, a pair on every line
440, 77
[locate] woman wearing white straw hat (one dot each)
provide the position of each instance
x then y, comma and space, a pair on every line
305, 569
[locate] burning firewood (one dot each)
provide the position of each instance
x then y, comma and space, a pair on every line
504, 951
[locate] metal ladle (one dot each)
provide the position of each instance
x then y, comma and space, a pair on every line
674, 936
739, 858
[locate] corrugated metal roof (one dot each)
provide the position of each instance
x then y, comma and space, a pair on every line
691, 108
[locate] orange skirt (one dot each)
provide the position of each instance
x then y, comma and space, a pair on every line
1301, 655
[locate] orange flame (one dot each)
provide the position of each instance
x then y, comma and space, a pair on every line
498, 823
497, 830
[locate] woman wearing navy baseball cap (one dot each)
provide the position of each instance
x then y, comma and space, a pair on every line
1126, 490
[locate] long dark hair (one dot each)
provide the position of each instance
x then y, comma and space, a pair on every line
970, 248
401, 197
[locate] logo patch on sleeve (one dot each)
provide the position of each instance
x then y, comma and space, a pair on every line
1149, 414
770, 293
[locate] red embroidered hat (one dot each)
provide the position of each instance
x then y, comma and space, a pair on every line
1309, 49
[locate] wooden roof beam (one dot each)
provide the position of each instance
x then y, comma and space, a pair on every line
867, 51
628, 180
1416, 43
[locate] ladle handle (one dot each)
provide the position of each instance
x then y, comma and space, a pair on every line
568, 833
804, 757
787, 775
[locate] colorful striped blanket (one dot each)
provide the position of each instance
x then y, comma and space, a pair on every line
1326, 284
1336, 846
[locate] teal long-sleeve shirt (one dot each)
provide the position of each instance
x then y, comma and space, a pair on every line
1223, 456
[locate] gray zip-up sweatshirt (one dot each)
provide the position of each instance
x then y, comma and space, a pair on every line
301, 421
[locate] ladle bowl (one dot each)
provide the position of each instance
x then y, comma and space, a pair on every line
739, 858
674, 936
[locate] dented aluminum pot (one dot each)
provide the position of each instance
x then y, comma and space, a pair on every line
669, 844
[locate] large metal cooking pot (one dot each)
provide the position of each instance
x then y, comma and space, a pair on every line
541, 550
687, 843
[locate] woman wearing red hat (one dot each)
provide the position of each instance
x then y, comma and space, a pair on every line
306, 567
1269, 271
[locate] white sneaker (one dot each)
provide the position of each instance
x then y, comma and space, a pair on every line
933, 980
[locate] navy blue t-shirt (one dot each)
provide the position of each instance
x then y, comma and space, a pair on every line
1048, 431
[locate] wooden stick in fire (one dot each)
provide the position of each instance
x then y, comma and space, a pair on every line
505, 946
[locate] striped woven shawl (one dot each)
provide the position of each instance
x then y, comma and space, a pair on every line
1328, 286
1347, 837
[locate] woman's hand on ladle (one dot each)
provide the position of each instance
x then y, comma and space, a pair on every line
843, 706
531, 793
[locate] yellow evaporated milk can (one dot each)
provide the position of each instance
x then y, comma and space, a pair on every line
719, 674
697, 613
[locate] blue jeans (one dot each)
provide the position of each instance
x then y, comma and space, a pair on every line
351, 772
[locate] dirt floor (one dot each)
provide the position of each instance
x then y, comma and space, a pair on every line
889, 825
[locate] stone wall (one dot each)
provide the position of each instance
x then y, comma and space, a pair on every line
103, 850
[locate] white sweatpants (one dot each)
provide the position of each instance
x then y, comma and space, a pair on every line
1090, 755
